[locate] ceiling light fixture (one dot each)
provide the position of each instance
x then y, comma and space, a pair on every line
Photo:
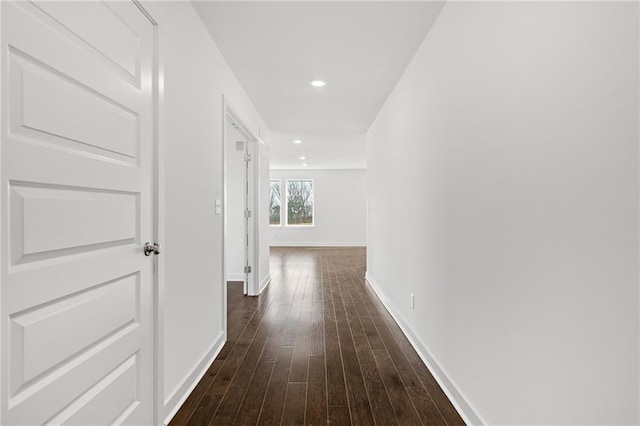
317, 82
303, 158
297, 141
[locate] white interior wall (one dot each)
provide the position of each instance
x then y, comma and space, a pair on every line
503, 193
195, 78
235, 206
340, 209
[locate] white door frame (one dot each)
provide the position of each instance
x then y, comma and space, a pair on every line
146, 8
2, 124
230, 113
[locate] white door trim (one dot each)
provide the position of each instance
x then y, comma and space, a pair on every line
2, 125
146, 7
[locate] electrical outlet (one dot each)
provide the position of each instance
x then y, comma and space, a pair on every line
413, 301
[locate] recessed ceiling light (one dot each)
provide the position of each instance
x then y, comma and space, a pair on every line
304, 164
297, 141
317, 82
303, 158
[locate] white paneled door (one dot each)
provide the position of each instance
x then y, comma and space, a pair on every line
76, 207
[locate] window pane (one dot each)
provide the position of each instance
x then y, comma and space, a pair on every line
299, 202
274, 210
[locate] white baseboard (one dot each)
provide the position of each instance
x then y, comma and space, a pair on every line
179, 396
235, 277
265, 282
461, 404
279, 244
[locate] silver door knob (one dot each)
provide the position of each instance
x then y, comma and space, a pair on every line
151, 248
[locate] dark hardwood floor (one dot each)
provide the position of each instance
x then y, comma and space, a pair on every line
316, 347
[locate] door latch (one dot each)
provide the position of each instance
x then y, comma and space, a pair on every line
151, 248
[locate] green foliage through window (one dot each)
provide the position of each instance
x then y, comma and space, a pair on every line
299, 202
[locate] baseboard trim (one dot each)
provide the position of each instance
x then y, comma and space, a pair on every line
278, 244
461, 404
235, 277
265, 282
179, 396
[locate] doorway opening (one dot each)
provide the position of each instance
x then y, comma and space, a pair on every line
240, 216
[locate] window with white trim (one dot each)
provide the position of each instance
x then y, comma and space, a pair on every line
275, 214
299, 208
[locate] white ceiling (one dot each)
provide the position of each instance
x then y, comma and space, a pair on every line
360, 48
321, 151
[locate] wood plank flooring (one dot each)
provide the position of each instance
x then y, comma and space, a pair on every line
317, 347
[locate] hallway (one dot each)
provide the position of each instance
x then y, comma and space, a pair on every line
317, 346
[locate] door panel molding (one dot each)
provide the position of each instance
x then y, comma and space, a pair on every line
78, 198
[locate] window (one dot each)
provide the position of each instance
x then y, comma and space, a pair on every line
274, 209
299, 202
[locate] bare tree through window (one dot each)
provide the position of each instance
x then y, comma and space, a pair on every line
274, 210
299, 202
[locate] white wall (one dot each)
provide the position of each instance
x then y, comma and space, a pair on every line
340, 209
195, 79
503, 193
